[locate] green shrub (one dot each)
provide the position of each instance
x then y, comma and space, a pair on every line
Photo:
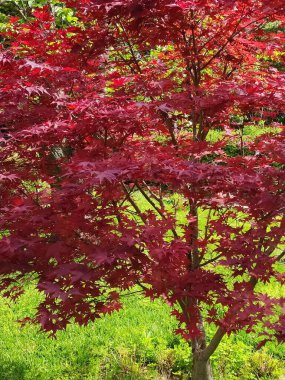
262, 366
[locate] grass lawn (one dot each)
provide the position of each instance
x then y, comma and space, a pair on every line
135, 343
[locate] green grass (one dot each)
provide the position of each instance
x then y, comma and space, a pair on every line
136, 343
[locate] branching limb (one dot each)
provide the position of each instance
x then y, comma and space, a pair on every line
211, 348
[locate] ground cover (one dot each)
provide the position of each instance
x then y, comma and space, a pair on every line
135, 343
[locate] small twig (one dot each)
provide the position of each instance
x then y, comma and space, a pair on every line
150, 201
133, 203
210, 261
158, 199
142, 286
280, 256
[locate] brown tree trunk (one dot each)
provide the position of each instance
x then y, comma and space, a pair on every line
201, 366
201, 369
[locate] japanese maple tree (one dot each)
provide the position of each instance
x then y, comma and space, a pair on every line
110, 174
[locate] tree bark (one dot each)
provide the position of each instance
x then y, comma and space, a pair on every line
201, 353
201, 369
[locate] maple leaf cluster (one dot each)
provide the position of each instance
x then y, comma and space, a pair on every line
109, 177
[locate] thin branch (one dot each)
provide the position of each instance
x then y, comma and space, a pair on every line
131, 293
170, 126
129, 193
133, 203
150, 201
142, 286
126, 62
229, 39
280, 257
130, 47
207, 224
211, 260
159, 200
118, 216
164, 114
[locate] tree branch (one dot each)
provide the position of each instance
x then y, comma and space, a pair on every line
133, 203
211, 261
211, 348
150, 201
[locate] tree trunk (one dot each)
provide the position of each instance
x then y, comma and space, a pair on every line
201, 369
201, 366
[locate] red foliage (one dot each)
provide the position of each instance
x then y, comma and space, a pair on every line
122, 104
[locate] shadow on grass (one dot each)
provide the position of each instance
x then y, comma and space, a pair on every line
12, 370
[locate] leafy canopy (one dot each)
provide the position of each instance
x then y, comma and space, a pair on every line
109, 177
